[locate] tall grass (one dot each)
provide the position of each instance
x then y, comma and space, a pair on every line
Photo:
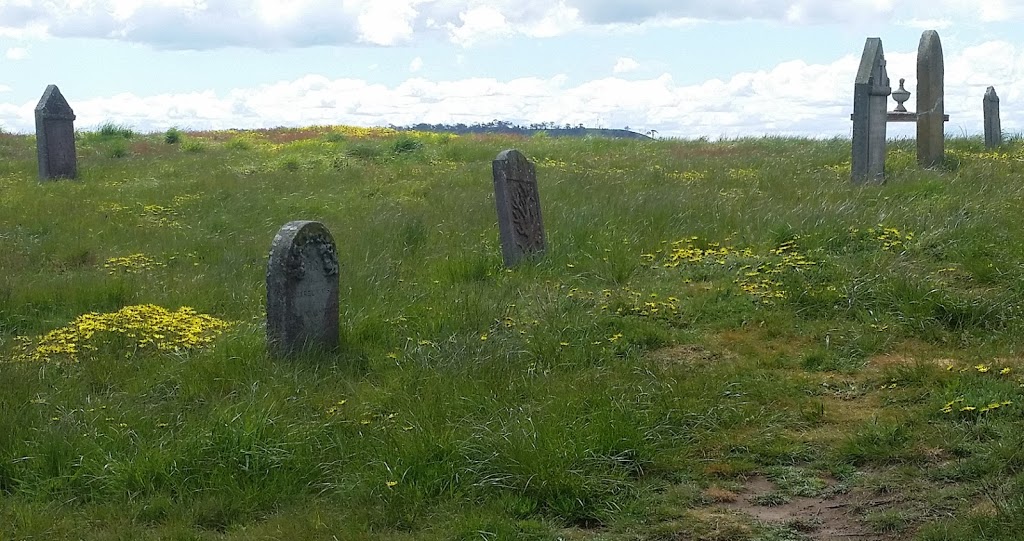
705, 311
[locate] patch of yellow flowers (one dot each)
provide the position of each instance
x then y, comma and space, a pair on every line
137, 327
362, 133
131, 264
758, 274
891, 239
962, 406
959, 404
888, 238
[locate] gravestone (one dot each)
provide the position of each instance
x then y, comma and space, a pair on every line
870, 94
518, 201
930, 101
302, 290
993, 128
55, 136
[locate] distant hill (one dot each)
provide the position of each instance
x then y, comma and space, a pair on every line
551, 130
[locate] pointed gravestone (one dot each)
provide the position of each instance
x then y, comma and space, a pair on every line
302, 290
55, 136
993, 128
870, 94
518, 200
930, 101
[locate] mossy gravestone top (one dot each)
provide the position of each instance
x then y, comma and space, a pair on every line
302, 290
55, 136
518, 200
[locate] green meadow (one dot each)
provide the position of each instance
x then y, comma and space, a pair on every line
709, 318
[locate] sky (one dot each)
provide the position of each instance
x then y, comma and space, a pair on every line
678, 68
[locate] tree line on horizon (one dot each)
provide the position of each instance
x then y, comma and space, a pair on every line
505, 127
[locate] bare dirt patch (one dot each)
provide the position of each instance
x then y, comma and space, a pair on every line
756, 343
214, 135
151, 148
687, 354
834, 515
891, 359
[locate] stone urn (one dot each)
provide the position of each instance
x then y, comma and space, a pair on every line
901, 95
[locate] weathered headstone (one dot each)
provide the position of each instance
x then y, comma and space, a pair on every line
870, 95
993, 128
518, 200
55, 136
302, 290
930, 101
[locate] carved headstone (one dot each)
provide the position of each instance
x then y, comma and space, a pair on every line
870, 95
302, 290
518, 200
930, 101
993, 128
55, 136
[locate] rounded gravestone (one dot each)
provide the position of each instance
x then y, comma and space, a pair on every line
302, 290
931, 113
517, 198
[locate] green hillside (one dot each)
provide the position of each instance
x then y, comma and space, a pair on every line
724, 341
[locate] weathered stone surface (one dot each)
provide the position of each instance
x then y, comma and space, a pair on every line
993, 128
55, 136
870, 95
518, 201
930, 101
302, 290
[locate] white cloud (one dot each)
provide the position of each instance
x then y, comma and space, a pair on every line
1000, 10
927, 24
558, 20
477, 22
16, 53
625, 65
792, 98
269, 24
28, 32
416, 64
384, 23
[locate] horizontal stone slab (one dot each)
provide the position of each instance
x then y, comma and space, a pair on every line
904, 117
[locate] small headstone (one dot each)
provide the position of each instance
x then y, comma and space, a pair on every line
302, 290
930, 101
518, 200
55, 136
993, 128
870, 95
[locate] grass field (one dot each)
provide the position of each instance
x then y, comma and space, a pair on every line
725, 341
